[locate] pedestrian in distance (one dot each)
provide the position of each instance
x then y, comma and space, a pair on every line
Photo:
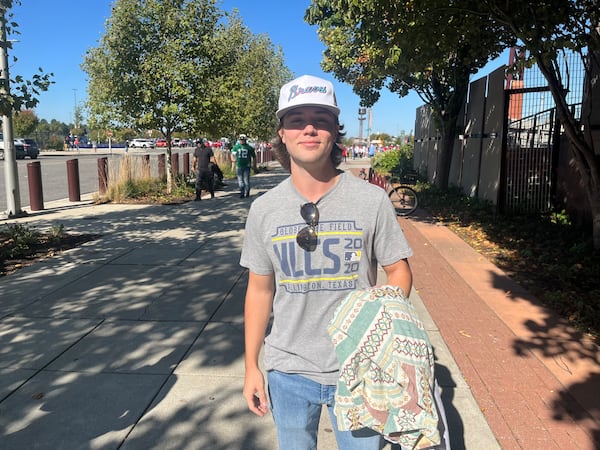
309, 242
244, 157
201, 164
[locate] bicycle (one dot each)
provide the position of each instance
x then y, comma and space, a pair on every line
398, 186
403, 196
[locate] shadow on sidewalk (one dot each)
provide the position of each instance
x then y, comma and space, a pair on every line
134, 340
516, 354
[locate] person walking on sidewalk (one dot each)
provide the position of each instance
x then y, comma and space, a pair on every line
203, 156
310, 241
244, 156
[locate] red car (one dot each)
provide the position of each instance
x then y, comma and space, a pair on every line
161, 142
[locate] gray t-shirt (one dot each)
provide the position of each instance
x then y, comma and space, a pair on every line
357, 229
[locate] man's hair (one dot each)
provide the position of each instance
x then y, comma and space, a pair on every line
282, 155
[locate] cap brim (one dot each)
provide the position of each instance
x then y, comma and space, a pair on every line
333, 109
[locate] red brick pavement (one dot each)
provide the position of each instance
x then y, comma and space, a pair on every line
536, 380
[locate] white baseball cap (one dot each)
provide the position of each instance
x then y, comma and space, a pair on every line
307, 90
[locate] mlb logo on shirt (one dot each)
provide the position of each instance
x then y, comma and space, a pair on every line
352, 256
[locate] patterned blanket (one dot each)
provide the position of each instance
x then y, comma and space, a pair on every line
386, 368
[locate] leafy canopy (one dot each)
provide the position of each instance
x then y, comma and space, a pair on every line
404, 45
183, 66
417, 45
152, 63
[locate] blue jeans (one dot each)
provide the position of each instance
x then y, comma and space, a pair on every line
243, 177
296, 404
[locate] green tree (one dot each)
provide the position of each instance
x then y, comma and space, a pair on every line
547, 29
383, 137
25, 123
244, 95
51, 134
152, 66
416, 46
78, 116
262, 73
188, 69
78, 128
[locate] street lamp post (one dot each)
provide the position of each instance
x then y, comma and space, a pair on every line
75, 108
369, 125
361, 119
13, 199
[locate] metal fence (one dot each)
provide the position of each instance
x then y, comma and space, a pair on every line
510, 149
532, 137
529, 179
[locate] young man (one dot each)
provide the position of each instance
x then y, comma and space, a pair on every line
244, 156
310, 241
203, 156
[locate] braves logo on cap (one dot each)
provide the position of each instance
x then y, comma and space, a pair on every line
307, 90
299, 90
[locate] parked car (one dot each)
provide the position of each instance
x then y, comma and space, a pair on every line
19, 149
31, 147
161, 142
141, 143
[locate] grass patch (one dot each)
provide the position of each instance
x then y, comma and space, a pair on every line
130, 181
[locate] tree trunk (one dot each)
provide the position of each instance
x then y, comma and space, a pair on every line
446, 148
169, 160
595, 204
169, 169
448, 109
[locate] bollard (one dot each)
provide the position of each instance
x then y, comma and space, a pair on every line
34, 178
186, 164
175, 164
162, 173
102, 175
73, 180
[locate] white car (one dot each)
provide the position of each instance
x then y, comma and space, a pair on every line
20, 152
141, 143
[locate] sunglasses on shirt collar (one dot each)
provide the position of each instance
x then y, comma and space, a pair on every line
307, 237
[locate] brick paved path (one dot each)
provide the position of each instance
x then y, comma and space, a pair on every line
536, 380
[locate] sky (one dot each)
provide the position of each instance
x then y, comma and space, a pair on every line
55, 35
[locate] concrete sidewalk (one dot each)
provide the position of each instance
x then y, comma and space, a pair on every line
135, 340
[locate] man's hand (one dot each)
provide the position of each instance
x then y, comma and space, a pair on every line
254, 392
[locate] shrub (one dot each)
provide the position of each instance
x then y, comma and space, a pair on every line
21, 239
130, 179
393, 161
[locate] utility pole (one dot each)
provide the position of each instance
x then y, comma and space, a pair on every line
13, 199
